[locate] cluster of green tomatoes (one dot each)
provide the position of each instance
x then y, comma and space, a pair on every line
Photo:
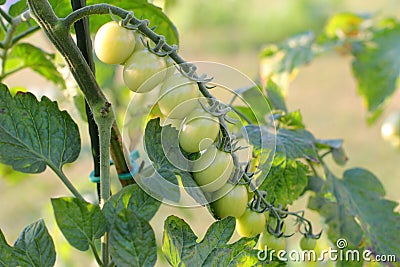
182, 105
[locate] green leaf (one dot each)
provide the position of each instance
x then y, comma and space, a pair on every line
275, 95
355, 209
162, 147
343, 24
293, 52
17, 8
141, 9
34, 246
133, 198
80, 222
181, 248
179, 242
2, 2
285, 181
292, 120
25, 55
247, 111
240, 253
7, 258
279, 62
257, 102
362, 195
60, 7
236, 254
33, 133
329, 143
377, 69
290, 144
132, 241
340, 223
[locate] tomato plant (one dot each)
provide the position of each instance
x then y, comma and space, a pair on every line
238, 153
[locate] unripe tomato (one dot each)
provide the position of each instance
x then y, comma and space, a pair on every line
269, 241
199, 131
170, 67
113, 44
178, 90
231, 201
250, 224
139, 43
216, 174
390, 130
143, 71
307, 243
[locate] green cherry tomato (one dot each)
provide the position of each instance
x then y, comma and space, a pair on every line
307, 243
138, 41
269, 241
211, 177
143, 71
199, 131
170, 67
113, 44
250, 224
231, 201
178, 92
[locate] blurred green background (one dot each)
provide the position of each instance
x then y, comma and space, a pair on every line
231, 32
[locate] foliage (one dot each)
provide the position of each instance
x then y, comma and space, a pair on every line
286, 159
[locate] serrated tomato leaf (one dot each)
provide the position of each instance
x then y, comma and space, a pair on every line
132, 241
168, 160
285, 181
80, 222
355, 209
133, 198
377, 68
7, 258
34, 246
363, 196
275, 95
240, 253
34, 134
24, 55
340, 223
181, 248
290, 144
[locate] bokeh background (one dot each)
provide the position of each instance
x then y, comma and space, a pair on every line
231, 32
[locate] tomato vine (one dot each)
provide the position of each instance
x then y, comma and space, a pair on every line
259, 213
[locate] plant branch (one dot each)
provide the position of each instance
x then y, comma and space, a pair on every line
96, 254
24, 34
67, 182
8, 40
143, 27
5, 15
